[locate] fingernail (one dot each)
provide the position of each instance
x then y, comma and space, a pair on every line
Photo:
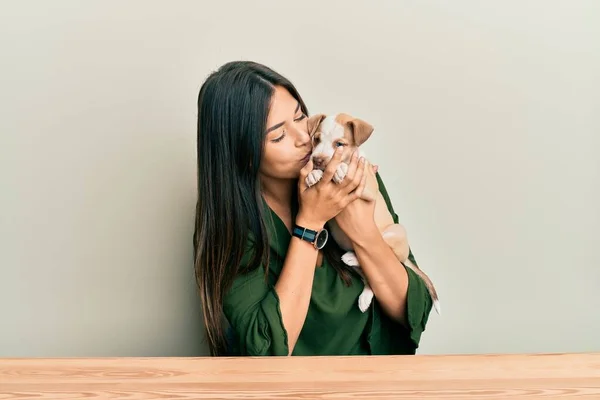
362, 159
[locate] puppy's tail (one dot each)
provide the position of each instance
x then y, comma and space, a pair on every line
437, 306
428, 284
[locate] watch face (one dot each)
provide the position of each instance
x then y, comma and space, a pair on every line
321, 239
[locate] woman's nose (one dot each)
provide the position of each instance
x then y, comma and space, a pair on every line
302, 137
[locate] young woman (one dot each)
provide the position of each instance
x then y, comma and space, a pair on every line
281, 293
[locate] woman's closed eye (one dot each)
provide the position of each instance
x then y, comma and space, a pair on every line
300, 118
280, 138
283, 131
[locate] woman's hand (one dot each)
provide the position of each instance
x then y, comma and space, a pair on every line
324, 200
357, 219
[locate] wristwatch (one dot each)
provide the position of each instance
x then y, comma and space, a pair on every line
316, 238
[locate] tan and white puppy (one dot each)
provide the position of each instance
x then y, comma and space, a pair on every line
328, 133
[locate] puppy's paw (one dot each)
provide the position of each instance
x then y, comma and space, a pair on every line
365, 299
340, 172
313, 177
350, 259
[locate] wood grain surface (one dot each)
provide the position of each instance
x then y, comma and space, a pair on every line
547, 376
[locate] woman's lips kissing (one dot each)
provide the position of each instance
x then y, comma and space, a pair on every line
306, 158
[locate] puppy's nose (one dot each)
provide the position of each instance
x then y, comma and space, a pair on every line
318, 161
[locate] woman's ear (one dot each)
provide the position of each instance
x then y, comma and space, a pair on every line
314, 122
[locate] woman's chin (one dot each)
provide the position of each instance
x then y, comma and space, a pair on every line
293, 173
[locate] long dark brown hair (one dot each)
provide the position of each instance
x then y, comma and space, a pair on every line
233, 105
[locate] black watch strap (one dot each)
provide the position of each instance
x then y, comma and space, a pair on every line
310, 235
304, 233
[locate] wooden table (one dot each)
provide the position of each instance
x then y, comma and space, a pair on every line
547, 376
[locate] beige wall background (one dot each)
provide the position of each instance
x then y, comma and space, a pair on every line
487, 136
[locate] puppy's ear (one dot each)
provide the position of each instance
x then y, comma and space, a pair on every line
361, 130
313, 123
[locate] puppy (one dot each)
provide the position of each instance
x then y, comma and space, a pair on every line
327, 134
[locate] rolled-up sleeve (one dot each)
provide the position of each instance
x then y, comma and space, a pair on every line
252, 309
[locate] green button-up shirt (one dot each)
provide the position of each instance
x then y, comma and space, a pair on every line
334, 324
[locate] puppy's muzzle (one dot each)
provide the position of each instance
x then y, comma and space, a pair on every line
319, 161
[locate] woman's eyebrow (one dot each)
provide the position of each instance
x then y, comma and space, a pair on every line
275, 127
281, 123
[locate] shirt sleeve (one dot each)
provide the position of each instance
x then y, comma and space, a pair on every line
252, 309
418, 301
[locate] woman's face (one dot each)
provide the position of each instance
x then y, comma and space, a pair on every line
287, 143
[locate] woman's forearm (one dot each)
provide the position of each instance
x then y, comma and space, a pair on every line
387, 276
294, 287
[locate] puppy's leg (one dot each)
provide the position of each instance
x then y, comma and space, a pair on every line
349, 258
393, 236
340, 172
366, 297
313, 177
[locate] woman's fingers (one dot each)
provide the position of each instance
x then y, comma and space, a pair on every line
303, 174
352, 168
332, 165
360, 188
355, 181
